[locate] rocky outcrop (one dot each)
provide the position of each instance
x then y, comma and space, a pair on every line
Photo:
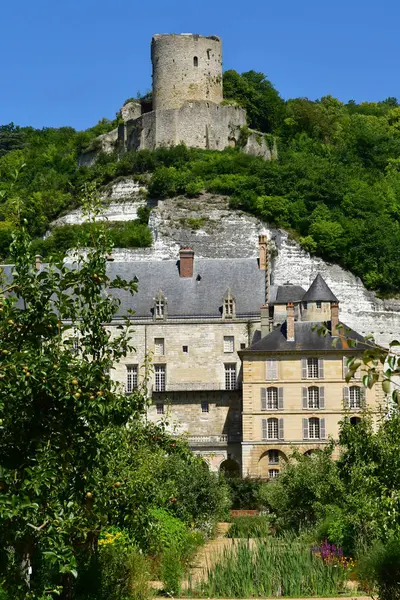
212, 229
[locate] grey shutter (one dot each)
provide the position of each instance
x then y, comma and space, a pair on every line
346, 397
362, 397
304, 392
268, 370
322, 434
274, 369
345, 367
280, 398
322, 397
304, 368
305, 429
264, 429
281, 432
321, 368
263, 399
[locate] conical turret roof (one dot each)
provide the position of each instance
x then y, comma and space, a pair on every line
319, 291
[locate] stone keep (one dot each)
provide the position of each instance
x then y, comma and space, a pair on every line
186, 107
186, 67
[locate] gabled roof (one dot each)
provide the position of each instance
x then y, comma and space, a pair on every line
307, 338
319, 291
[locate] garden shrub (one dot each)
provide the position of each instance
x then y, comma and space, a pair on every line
172, 571
379, 567
249, 527
245, 492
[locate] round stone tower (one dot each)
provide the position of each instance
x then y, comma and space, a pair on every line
186, 67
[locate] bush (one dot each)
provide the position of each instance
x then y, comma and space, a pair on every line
245, 492
172, 571
380, 568
121, 572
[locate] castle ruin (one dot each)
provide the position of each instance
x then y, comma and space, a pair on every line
186, 105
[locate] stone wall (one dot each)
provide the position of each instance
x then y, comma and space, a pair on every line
185, 67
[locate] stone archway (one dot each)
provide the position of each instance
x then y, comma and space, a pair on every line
271, 462
230, 467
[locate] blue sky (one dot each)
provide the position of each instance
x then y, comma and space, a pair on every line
72, 62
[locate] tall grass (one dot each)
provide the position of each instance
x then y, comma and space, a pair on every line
271, 567
249, 527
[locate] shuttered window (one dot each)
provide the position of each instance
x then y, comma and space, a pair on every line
314, 429
271, 369
229, 343
159, 347
313, 397
272, 398
312, 368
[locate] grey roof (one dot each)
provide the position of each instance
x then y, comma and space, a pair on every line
289, 293
307, 338
319, 291
200, 295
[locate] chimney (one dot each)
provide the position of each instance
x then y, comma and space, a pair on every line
38, 261
263, 247
186, 261
290, 322
334, 318
265, 320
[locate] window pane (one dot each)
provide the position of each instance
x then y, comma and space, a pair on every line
312, 368
272, 429
273, 457
230, 376
272, 399
229, 343
159, 376
160, 409
131, 378
313, 427
313, 397
273, 473
159, 347
204, 407
355, 397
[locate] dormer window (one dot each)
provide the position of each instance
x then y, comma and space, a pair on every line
160, 306
229, 306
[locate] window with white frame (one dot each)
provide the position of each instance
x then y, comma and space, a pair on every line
205, 407
160, 408
131, 378
355, 396
273, 473
272, 398
271, 368
273, 457
159, 378
272, 429
159, 347
313, 397
312, 368
230, 376
228, 305
229, 343
314, 430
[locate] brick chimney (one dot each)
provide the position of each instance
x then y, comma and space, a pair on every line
290, 322
186, 262
38, 261
334, 318
263, 248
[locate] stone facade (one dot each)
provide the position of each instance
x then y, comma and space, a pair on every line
186, 104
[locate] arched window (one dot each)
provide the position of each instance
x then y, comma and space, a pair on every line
355, 396
313, 397
313, 428
195, 61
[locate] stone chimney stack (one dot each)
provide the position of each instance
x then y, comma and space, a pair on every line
186, 262
334, 318
290, 322
38, 261
263, 247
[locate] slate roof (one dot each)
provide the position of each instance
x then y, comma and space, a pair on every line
289, 293
198, 296
306, 338
319, 291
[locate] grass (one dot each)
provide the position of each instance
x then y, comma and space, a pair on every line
249, 527
271, 567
